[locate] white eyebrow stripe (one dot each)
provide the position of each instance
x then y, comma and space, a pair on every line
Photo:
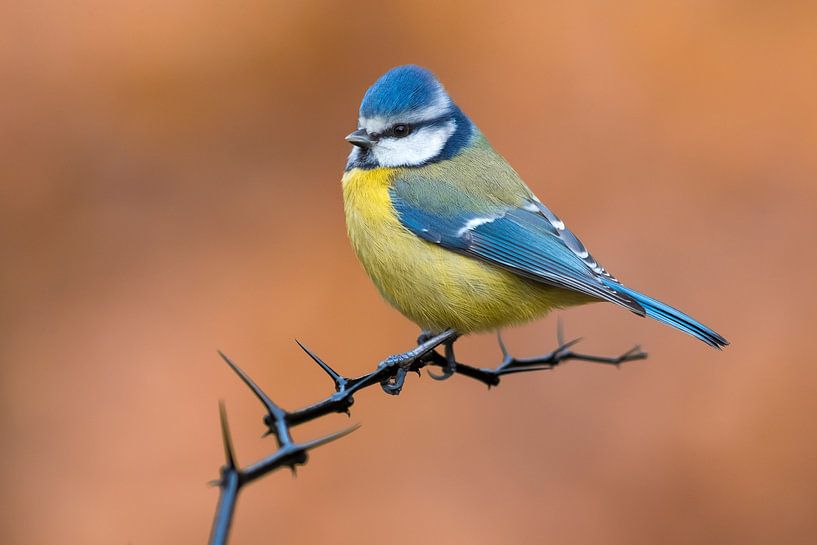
374, 124
438, 108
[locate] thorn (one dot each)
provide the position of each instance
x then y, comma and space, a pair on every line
565, 345
229, 453
274, 410
633, 354
338, 380
560, 330
634, 350
505, 353
329, 438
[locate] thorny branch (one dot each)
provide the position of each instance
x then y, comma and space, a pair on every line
390, 374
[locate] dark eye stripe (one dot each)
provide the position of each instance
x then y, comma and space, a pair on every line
399, 130
413, 127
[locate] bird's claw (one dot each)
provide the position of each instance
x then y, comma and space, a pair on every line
400, 364
450, 366
393, 384
424, 336
448, 372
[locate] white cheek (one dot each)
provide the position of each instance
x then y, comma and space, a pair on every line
415, 149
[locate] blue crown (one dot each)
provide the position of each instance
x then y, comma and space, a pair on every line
401, 90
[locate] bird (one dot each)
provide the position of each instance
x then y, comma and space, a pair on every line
451, 235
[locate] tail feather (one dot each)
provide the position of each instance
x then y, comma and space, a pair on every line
671, 316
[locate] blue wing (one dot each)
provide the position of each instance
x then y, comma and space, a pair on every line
528, 240
531, 241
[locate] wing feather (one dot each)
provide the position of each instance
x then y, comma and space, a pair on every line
523, 239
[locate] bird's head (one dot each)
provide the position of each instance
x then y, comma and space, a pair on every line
407, 119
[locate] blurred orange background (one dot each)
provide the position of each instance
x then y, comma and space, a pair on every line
170, 186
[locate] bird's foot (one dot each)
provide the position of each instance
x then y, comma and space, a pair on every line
424, 336
450, 365
408, 361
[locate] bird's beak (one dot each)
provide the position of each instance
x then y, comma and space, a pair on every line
360, 138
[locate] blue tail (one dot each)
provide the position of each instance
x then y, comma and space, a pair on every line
670, 316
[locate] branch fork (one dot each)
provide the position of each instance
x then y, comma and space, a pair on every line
390, 374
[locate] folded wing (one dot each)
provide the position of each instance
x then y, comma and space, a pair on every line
526, 239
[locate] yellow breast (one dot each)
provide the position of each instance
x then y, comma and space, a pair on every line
434, 287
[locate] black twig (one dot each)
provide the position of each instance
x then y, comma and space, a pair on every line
390, 374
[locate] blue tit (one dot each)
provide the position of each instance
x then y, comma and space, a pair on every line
448, 231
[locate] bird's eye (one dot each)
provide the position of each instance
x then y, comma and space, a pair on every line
401, 130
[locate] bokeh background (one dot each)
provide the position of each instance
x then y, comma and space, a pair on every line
170, 186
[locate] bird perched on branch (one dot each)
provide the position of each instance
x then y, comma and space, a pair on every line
448, 231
